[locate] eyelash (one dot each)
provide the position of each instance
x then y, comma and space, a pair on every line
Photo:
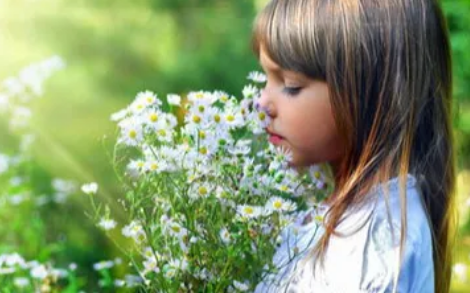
291, 91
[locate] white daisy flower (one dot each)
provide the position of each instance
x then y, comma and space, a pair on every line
193, 119
170, 273
119, 283
257, 77
152, 117
317, 176
175, 229
39, 272
90, 188
178, 264
103, 265
286, 186
250, 91
243, 148
135, 167
131, 132
224, 235
174, 99
119, 115
150, 265
278, 204
58, 273
148, 98
134, 230
222, 97
148, 252
200, 108
261, 118
107, 224
64, 186
12, 259
164, 134
21, 282
7, 271
169, 121
201, 97
133, 280
233, 119
138, 106
249, 212
200, 191
155, 166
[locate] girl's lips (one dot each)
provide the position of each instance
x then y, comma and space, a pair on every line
275, 139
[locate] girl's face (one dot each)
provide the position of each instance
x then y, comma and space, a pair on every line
301, 115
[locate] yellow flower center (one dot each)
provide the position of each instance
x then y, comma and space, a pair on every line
224, 98
162, 132
217, 118
249, 210
277, 204
318, 218
230, 118
203, 151
199, 95
261, 116
132, 133
317, 175
201, 109
153, 166
202, 190
196, 119
202, 134
283, 188
153, 117
176, 228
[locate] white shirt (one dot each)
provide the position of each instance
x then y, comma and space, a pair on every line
366, 261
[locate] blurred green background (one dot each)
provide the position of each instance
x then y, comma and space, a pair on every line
116, 48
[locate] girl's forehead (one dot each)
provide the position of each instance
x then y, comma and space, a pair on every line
270, 65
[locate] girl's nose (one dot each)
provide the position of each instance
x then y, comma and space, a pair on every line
264, 103
263, 99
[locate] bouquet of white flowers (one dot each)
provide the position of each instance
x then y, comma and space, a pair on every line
207, 197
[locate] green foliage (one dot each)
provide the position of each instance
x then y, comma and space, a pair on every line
458, 18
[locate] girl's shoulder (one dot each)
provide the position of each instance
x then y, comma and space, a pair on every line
366, 258
416, 273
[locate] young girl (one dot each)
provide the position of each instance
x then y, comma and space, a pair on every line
365, 86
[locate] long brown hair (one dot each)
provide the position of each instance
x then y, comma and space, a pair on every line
388, 68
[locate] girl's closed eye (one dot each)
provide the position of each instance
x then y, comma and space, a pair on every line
292, 90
